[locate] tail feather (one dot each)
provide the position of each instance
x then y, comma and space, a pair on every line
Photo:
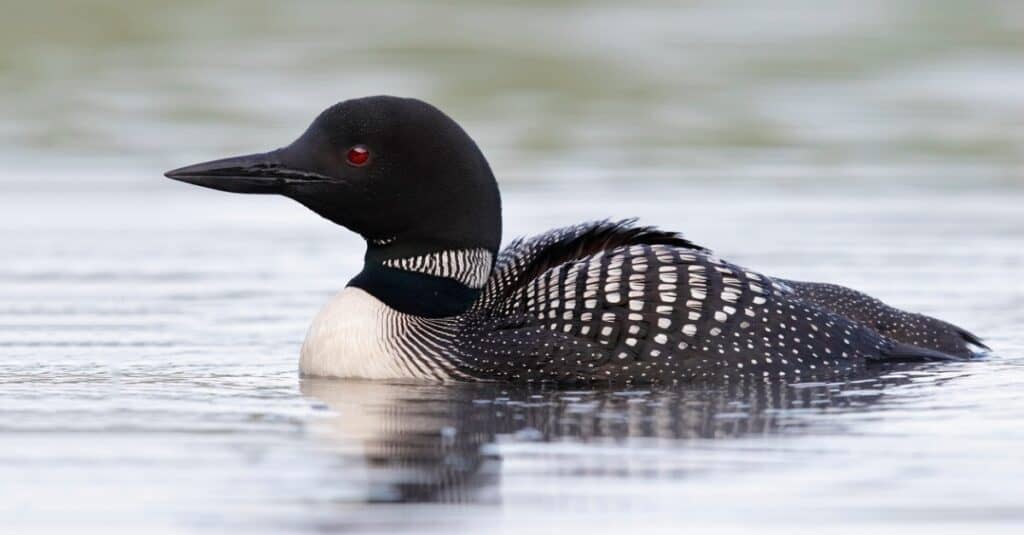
898, 351
972, 339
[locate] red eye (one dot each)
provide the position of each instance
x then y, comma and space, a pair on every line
358, 156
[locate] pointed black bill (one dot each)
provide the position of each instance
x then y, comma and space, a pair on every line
252, 173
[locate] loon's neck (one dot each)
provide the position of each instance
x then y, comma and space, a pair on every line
428, 284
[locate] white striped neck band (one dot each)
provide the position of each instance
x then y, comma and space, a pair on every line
470, 267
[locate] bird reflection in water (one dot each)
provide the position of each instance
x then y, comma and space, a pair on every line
444, 443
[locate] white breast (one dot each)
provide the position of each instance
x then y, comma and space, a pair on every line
353, 336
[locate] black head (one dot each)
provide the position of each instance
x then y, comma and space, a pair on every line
397, 171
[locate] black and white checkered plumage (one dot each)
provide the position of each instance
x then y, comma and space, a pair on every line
614, 301
593, 302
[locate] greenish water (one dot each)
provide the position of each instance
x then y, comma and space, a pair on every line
929, 89
149, 331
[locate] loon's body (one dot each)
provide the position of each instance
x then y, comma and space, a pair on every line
436, 299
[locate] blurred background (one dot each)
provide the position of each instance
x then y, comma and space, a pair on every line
149, 330
927, 90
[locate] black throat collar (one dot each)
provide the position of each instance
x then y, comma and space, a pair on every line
418, 294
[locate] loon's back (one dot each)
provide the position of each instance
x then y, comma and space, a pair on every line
612, 301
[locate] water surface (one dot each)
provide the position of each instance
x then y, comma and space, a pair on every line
149, 379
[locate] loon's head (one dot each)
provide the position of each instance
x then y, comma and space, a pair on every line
401, 174
397, 171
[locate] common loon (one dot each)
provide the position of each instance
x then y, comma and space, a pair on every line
598, 301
